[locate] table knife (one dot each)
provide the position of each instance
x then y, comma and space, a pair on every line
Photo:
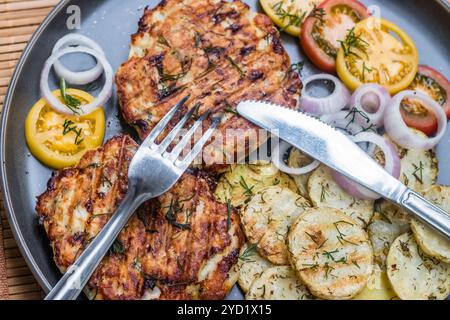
336, 150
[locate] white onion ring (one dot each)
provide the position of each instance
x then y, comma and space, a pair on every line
336, 101
55, 103
373, 96
392, 166
340, 121
400, 133
277, 160
77, 77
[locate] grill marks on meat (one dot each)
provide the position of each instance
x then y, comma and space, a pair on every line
218, 52
79, 200
179, 245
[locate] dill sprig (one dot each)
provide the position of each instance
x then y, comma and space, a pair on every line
290, 18
353, 41
248, 252
248, 191
317, 13
365, 69
418, 171
163, 41
71, 102
235, 65
68, 126
323, 194
175, 207
341, 237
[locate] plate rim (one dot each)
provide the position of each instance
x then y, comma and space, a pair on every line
7, 202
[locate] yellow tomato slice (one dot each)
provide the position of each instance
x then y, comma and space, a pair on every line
59, 140
288, 14
377, 51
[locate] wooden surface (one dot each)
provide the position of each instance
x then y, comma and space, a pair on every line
18, 20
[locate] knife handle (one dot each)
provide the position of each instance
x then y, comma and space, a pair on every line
427, 212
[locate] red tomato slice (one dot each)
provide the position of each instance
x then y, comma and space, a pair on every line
326, 26
433, 84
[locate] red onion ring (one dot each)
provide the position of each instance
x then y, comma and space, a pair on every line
336, 101
399, 132
371, 101
392, 165
77, 77
278, 161
55, 103
341, 121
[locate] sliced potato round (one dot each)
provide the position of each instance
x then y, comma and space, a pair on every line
419, 168
413, 274
242, 181
250, 266
377, 288
325, 192
266, 220
431, 242
331, 253
278, 283
297, 159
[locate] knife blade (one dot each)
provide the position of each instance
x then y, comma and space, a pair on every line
337, 151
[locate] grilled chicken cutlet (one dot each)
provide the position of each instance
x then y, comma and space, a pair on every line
218, 52
182, 245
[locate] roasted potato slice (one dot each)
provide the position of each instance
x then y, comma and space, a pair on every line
415, 275
250, 266
266, 220
242, 181
297, 159
325, 192
278, 283
430, 241
331, 253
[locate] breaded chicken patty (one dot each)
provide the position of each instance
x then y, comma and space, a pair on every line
218, 52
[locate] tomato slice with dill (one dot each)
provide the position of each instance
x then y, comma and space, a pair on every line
434, 84
325, 28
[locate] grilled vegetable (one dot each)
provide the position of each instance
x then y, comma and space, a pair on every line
377, 51
331, 253
242, 181
325, 29
267, 218
413, 274
325, 192
430, 241
278, 283
59, 140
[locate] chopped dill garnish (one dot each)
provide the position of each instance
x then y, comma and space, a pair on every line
365, 69
317, 13
353, 41
71, 102
118, 247
418, 172
323, 194
68, 126
175, 207
163, 41
329, 254
248, 252
248, 191
235, 65
290, 18
341, 237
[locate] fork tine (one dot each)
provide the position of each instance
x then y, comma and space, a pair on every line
163, 123
173, 155
184, 164
175, 131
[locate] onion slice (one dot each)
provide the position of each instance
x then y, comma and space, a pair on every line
77, 77
336, 101
399, 132
392, 166
369, 102
278, 161
343, 122
55, 103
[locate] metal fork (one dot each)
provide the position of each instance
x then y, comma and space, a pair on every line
153, 171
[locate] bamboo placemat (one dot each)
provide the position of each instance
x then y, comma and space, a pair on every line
18, 20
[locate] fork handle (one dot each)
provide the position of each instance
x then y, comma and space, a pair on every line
427, 212
78, 274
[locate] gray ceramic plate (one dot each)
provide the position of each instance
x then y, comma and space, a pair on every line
111, 23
